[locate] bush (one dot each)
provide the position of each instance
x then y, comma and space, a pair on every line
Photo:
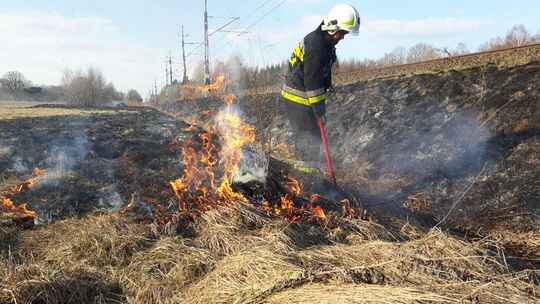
87, 89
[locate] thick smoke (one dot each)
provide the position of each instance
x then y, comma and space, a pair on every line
109, 197
19, 165
63, 159
5, 150
252, 167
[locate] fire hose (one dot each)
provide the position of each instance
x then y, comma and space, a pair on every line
326, 151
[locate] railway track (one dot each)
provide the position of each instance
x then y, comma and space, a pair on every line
525, 52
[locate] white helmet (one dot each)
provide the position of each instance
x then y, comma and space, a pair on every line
342, 17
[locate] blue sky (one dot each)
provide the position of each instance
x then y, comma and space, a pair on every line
128, 40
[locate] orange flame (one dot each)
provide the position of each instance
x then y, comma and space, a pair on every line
217, 85
21, 210
17, 211
314, 197
33, 180
266, 207
347, 210
209, 168
228, 98
293, 186
319, 212
124, 209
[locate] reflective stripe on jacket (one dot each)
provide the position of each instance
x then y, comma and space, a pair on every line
309, 70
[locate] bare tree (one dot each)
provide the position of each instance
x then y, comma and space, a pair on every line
396, 57
14, 82
517, 36
493, 44
133, 97
422, 52
461, 49
87, 89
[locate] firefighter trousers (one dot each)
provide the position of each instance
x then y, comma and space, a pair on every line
306, 133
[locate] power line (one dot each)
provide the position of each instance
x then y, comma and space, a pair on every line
206, 44
256, 22
256, 9
246, 18
272, 10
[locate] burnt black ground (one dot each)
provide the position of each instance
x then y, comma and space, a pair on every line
458, 145
90, 161
105, 160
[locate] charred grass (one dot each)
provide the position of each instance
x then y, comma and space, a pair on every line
239, 255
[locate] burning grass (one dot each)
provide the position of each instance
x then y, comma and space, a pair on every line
241, 255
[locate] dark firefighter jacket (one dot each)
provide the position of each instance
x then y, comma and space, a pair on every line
309, 74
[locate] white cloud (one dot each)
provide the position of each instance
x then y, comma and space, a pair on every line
50, 36
58, 43
41, 45
40, 22
431, 27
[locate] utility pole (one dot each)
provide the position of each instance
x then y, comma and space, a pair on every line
206, 52
155, 87
166, 73
170, 68
185, 78
206, 46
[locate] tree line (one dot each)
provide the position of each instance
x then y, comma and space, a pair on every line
78, 87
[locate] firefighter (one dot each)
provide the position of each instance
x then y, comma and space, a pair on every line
309, 79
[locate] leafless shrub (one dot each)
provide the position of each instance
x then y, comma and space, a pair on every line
518, 35
87, 88
133, 97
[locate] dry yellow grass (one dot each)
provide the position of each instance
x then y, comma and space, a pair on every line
16, 112
24, 103
238, 255
161, 273
100, 240
338, 292
242, 278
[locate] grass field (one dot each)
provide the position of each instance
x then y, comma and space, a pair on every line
24, 103
22, 109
